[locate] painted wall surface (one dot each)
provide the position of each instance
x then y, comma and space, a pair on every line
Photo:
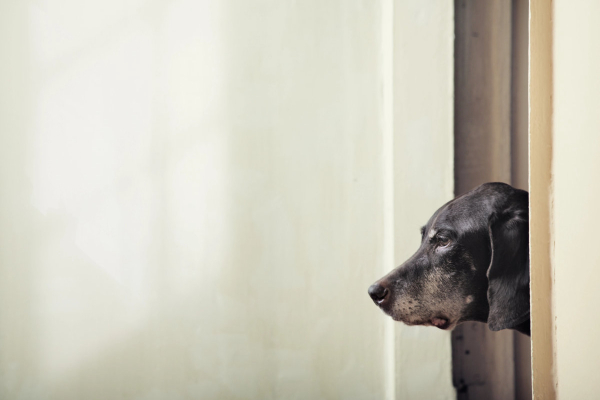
576, 169
196, 195
423, 172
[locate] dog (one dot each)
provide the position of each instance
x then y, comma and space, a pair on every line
472, 265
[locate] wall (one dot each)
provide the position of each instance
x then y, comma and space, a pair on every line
564, 169
196, 196
423, 172
576, 167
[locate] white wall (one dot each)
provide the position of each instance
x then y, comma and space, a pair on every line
576, 159
565, 98
194, 197
423, 172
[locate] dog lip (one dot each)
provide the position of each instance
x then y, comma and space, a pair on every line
440, 322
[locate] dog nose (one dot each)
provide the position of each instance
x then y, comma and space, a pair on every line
378, 292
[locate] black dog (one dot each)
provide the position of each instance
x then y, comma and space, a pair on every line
472, 265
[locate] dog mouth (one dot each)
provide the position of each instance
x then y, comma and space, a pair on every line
440, 322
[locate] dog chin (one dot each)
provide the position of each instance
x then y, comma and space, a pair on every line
408, 321
439, 322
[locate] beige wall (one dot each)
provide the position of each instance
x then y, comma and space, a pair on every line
564, 164
576, 176
423, 172
197, 194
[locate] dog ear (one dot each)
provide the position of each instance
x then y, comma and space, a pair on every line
508, 273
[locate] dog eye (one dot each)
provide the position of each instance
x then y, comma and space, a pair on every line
443, 241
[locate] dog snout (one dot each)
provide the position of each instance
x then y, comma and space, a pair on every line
379, 292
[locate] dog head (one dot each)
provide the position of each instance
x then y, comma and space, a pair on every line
472, 264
